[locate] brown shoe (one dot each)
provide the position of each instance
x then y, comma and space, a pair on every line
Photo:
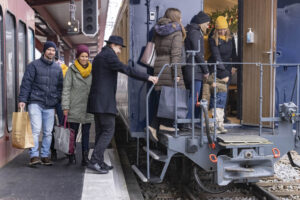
46, 161
34, 161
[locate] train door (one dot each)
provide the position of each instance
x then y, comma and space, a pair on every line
288, 20
259, 16
230, 10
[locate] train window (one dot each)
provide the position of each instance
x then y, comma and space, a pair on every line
22, 49
31, 48
10, 43
1, 73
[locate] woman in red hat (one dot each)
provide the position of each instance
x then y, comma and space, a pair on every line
77, 84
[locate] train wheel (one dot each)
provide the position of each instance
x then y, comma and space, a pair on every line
206, 181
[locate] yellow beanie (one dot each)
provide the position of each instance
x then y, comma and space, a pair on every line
221, 23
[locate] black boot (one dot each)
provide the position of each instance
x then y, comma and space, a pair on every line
72, 158
53, 155
85, 158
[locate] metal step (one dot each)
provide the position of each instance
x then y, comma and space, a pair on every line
156, 154
142, 175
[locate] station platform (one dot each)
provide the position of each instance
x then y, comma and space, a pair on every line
65, 181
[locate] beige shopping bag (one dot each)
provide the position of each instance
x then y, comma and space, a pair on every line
22, 137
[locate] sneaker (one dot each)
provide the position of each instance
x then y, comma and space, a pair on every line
166, 128
211, 129
34, 161
153, 135
46, 161
96, 167
222, 130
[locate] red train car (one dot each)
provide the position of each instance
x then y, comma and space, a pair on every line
16, 51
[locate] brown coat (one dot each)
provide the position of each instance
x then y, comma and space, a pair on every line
168, 50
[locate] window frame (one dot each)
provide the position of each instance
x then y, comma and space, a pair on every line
29, 29
25, 57
14, 70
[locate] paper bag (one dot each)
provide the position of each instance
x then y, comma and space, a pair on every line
22, 137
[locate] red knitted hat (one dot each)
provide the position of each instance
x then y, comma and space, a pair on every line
81, 49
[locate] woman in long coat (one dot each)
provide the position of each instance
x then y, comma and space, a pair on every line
75, 94
168, 38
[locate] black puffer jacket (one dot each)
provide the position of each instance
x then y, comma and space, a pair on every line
194, 34
224, 52
42, 83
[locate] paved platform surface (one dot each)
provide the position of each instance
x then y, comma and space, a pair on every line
18, 181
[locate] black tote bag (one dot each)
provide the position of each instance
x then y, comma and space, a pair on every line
166, 106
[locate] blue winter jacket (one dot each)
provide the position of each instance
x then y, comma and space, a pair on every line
42, 84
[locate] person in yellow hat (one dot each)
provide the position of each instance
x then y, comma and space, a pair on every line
223, 49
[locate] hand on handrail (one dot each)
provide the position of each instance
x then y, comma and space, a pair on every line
153, 79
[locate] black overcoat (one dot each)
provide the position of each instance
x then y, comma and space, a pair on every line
194, 34
105, 68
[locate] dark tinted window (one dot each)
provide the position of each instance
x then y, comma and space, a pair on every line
10, 41
1, 74
22, 50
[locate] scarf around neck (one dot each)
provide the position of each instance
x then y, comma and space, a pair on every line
85, 72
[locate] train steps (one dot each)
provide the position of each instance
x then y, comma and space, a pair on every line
158, 156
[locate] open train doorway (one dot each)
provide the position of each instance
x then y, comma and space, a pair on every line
228, 9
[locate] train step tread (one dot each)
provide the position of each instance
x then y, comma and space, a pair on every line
156, 154
142, 174
241, 139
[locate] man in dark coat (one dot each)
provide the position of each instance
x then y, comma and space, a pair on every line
102, 97
41, 90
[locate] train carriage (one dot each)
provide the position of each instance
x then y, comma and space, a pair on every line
248, 152
17, 49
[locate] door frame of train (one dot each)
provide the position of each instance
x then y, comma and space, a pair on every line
257, 14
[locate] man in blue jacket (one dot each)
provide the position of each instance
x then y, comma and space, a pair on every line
102, 97
41, 90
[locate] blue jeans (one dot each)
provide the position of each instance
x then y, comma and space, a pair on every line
221, 100
198, 90
39, 118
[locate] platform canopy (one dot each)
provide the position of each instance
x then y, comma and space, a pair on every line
51, 23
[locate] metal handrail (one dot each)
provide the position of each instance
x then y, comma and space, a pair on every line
147, 119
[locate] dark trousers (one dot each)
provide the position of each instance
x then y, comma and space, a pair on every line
105, 129
85, 134
157, 121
